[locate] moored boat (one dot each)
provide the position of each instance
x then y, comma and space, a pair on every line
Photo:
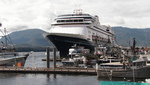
132, 66
76, 56
139, 71
8, 56
12, 59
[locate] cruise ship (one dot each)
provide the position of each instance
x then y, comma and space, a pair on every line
78, 29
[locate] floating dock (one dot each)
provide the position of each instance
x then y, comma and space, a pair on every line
58, 70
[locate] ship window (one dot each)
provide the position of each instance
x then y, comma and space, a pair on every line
80, 20
75, 20
68, 20
58, 21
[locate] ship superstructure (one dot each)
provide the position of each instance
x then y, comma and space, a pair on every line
80, 29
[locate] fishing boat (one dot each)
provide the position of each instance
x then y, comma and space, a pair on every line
8, 56
139, 69
132, 66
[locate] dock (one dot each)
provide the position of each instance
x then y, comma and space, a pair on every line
58, 70
47, 69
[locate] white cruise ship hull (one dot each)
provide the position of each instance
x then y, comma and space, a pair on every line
64, 41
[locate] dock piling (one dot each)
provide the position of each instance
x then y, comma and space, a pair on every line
54, 58
47, 50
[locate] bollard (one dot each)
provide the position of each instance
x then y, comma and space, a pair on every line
47, 50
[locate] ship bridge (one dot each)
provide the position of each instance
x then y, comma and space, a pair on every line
74, 19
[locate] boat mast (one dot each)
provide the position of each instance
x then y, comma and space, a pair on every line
7, 39
133, 47
5, 36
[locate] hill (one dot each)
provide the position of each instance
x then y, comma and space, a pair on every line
28, 38
125, 35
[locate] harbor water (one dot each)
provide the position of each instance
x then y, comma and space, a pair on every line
35, 60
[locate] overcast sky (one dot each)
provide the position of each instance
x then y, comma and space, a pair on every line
27, 14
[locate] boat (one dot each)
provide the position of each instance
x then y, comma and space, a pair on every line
136, 69
133, 66
77, 55
70, 63
109, 54
8, 56
81, 29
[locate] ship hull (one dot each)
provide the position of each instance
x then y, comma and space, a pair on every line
128, 73
13, 61
63, 43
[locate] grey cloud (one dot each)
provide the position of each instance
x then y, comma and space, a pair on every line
40, 13
16, 28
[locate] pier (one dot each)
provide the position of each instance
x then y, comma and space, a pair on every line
57, 70
47, 68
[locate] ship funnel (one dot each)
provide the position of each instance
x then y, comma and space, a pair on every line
78, 11
0, 24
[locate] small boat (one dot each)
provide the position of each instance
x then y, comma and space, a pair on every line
70, 63
8, 56
75, 55
11, 58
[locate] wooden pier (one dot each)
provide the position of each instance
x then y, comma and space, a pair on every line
48, 69
58, 70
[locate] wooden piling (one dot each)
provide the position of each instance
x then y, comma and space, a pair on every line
54, 58
47, 50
